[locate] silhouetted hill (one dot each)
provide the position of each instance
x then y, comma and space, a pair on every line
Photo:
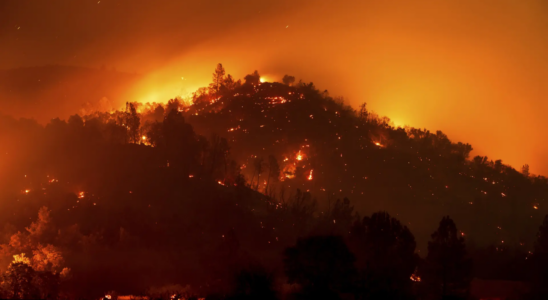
57, 91
191, 193
416, 175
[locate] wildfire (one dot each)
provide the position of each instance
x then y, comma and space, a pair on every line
310, 175
415, 278
299, 156
144, 138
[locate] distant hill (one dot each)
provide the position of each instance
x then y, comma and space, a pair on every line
59, 91
157, 194
415, 174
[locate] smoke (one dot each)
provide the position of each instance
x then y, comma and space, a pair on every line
473, 69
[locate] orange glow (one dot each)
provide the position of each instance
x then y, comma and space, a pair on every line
144, 138
81, 195
299, 156
535, 207
310, 175
27, 191
415, 278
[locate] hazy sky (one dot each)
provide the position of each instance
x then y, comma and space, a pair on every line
476, 70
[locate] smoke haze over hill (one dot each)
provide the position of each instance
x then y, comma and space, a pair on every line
475, 70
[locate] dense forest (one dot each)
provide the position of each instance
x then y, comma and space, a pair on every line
259, 190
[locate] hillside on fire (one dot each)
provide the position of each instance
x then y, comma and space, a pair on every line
258, 190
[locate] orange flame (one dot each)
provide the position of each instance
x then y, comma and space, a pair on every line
299, 156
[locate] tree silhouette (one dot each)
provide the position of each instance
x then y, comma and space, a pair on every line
18, 282
258, 166
288, 80
218, 79
251, 283
447, 268
525, 170
386, 257
133, 122
273, 171
322, 265
540, 262
253, 78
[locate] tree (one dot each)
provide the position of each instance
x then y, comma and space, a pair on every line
133, 123
258, 165
525, 170
540, 262
386, 258
253, 78
273, 171
447, 268
18, 281
253, 283
322, 265
230, 84
218, 78
288, 80
218, 156
364, 114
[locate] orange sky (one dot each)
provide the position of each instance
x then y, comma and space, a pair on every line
476, 70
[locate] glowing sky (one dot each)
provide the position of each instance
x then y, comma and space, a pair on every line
476, 70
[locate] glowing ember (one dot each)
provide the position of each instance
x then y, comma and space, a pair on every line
81, 195
144, 138
378, 144
415, 278
299, 156
190, 176
535, 207
27, 191
310, 175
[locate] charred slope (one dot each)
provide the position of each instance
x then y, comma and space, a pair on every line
333, 151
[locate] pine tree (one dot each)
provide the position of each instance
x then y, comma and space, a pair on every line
218, 78
447, 268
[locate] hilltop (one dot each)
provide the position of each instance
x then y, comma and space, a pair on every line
190, 191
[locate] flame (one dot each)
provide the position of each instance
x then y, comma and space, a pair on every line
378, 144
310, 175
21, 258
299, 156
535, 207
144, 138
262, 80
27, 191
81, 195
415, 277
